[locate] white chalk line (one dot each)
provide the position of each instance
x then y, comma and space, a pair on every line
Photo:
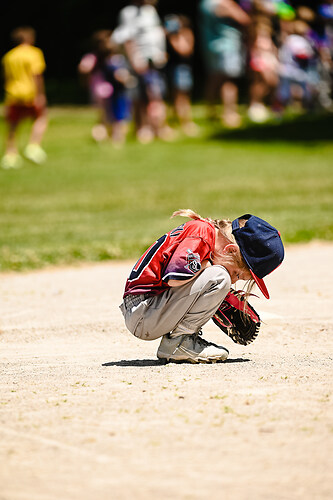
16, 314
58, 444
7, 495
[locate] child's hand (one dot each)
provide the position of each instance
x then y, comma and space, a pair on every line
87, 64
122, 75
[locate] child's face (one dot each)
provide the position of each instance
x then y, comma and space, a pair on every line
224, 255
236, 273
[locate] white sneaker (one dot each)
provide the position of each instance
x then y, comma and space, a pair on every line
191, 348
11, 160
35, 153
145, 135
99, 132
258, 113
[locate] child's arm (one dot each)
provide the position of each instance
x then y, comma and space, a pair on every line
204, 265
229, 8
122, 75
134, 57
87, 64
40, 99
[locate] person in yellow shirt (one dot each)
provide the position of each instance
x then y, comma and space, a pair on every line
23, 68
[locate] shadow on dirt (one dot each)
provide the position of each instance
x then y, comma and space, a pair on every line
305, 128
158, 362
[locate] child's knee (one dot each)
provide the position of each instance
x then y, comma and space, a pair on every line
142, 332
138, 327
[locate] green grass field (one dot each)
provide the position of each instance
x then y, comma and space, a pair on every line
92, 202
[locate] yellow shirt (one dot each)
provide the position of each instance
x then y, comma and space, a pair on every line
20, 66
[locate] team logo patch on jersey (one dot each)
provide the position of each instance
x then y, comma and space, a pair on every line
193, 261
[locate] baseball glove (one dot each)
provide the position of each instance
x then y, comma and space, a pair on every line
240, 323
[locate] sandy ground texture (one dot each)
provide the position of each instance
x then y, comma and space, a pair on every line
88, 412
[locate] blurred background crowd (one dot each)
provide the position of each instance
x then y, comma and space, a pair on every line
281, 50
267, 55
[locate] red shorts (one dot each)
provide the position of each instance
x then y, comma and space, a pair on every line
18, 112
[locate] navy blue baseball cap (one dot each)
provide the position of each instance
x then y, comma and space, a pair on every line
261, 247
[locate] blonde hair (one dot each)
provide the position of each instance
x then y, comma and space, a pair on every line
225, 227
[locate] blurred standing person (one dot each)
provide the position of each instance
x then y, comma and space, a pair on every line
298, 60
222, 27
91, 70
117, 73
141, 32
23, 68
105, 71
180, 49
320, 35
263, 69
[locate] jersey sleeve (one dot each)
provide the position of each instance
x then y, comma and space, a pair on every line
186, 260
38, 65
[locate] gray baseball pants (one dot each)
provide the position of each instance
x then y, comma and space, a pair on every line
179, 310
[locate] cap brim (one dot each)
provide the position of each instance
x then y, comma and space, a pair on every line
261, 284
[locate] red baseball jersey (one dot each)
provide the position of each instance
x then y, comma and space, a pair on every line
177, 255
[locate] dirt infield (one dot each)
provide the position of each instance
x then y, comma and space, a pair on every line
87, 411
